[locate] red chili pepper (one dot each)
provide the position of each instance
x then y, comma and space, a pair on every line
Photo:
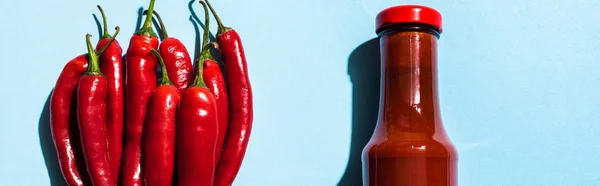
197, 135
197, 130
216, 83
111, 65
159, 143
63, 124
140, 82
176, 57
63, 121
91, 117
240, 108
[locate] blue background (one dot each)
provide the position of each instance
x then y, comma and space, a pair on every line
518, 84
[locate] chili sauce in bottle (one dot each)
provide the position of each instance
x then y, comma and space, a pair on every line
409, 146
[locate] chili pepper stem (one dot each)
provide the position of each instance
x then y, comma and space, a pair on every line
109, 42
199, 81
146, 29
105, 34
206, 33
93, 64
164, 80
205, 54
162, 26
222, 28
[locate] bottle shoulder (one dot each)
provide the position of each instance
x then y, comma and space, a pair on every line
411, 144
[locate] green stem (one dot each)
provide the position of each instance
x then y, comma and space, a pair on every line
160, 22
105, 34
199, 80
93, 66
206, 32
164, 80
109, 42
146, 29
222, 28
204, 55
162, 26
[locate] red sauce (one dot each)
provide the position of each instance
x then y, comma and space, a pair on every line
409, 146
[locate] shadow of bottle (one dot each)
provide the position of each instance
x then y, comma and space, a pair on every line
364, 71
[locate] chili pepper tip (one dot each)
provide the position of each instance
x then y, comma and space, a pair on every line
214, 45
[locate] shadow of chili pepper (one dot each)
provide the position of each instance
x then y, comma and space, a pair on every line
47, 145
99, 26
138, 23
158, 28
364, 71
196, 40
195, 16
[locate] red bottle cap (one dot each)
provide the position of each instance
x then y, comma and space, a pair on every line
409, 14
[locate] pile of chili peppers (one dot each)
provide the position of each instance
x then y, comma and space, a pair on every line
153, 117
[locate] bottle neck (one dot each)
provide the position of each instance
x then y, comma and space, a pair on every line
409, 94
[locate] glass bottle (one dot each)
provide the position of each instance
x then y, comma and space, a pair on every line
409, 146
